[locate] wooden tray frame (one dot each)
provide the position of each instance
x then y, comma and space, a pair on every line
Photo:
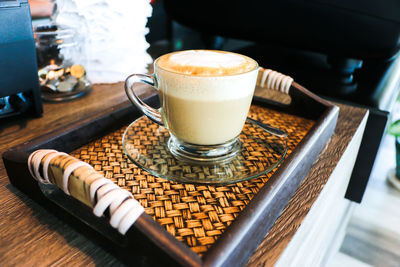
147, 242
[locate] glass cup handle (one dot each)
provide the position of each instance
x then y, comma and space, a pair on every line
152, 113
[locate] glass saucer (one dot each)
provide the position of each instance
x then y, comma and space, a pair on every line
145, 143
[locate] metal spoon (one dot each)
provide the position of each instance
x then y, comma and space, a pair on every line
270, 129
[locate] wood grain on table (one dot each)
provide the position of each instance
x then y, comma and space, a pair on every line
31, 236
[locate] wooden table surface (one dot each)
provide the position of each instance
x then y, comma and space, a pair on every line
31, 236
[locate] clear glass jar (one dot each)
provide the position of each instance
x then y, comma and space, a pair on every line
57, 50
55, 44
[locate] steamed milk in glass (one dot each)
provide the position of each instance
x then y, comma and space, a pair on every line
205, 95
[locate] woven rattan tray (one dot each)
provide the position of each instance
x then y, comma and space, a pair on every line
184, 224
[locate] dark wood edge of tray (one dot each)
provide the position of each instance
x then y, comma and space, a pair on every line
252, 223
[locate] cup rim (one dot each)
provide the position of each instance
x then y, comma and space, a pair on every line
205, 76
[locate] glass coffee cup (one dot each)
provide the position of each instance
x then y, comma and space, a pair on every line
205, 97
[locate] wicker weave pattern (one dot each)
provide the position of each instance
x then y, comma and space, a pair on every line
195, 214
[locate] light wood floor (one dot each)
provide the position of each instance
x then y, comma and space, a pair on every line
373, 234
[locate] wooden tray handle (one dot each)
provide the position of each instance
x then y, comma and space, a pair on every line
302, 102
80, 180
274, 80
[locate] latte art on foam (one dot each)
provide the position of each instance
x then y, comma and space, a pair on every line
207, 59
206, 63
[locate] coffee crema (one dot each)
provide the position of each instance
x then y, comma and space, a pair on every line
206, 63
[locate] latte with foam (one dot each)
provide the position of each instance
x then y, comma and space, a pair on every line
205, 95
206, 63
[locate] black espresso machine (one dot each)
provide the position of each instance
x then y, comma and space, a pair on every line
19, 83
